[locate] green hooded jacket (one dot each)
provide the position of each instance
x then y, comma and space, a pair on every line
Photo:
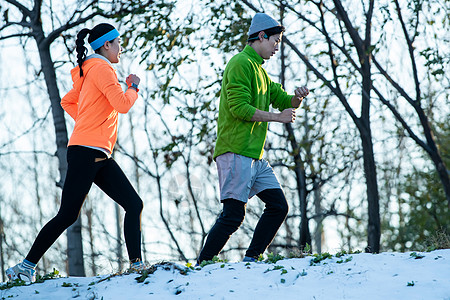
245, 88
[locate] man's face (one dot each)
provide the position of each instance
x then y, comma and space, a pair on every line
270, 46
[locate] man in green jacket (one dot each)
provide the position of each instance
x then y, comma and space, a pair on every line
246, 95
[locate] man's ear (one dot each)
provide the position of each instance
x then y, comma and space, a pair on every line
262, 35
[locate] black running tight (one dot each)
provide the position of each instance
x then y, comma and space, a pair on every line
87, 166
232, 217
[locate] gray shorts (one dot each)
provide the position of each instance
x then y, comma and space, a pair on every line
242, 177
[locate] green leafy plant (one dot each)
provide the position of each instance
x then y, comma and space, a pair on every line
52, 275
341, 253
307, 248
319, 258
273, 258
283, 270
190, 266
215, 259
39, 279
143, 276
67, 284
300, 253
350, 258
12, 283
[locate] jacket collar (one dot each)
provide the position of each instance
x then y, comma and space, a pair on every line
253, 54
95, 55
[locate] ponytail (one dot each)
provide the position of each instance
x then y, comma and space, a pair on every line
81, 49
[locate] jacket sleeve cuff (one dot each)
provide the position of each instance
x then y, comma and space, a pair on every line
249, 115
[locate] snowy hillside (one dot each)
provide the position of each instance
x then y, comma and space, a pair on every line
424, 275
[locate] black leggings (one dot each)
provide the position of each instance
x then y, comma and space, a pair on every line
232, 217
87, 166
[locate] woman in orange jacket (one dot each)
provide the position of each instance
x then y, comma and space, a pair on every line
94, 102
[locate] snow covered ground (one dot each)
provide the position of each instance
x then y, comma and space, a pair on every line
360, 276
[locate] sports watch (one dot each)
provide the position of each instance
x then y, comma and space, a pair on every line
135, 86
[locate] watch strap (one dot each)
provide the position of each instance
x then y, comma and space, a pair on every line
134, 85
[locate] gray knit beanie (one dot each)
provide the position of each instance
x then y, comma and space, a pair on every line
262, 22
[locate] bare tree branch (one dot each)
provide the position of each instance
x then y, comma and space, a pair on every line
25, 11
410, 50
350, 29
401, 120
57, 32
21, 24
15, 35
369, 15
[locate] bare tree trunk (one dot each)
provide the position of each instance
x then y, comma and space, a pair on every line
305, 235
89, 213
347, 223
373, 230
118, 236
318, 232
75, 250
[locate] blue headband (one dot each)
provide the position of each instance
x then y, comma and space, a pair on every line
109, 36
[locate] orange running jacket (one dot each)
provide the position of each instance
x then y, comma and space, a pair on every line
94, 103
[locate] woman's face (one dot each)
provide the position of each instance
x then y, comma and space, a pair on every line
113, 50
